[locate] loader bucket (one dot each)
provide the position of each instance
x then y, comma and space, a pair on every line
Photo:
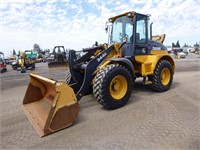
57, 64
49, 105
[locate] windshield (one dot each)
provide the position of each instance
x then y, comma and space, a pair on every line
58, 49
122, 30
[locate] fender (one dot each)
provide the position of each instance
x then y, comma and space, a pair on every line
125, 62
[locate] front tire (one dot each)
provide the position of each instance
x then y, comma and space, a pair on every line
112, 86
163, 76
68, 78
33, 65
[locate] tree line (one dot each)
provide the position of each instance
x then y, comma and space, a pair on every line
196, 45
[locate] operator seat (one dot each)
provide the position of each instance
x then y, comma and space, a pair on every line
137, 37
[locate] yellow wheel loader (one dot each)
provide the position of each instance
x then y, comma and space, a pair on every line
106, 70
25, 61
60, 59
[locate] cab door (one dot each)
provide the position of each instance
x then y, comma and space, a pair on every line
141, 35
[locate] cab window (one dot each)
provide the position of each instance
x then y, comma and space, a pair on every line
141, 33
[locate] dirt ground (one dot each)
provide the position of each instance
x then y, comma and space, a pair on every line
150, 120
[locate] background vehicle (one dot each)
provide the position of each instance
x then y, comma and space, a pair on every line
60, 59
107, 71
2, 63
179, 53
26, 60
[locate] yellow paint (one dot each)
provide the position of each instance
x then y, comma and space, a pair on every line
21, 60
159, 52
62, 94
146, 64
97, 52
143, 64
159, 38
132, 13
114, 53
104, 64
51, 96
118, 87
65, 96
165, 76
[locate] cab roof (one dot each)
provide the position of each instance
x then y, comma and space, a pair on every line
130, 13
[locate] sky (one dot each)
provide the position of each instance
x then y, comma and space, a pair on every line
77, 24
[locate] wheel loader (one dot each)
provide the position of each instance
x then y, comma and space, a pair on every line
106, 70
26, 60
59, 57
3, 67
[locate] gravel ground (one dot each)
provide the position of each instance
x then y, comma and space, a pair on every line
150, 120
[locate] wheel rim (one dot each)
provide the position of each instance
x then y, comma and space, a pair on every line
165, 76
118, 87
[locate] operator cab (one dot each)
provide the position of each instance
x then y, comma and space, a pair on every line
133, 30
59, 49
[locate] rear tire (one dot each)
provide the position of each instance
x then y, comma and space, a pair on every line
14, 67
112, 86
163, 76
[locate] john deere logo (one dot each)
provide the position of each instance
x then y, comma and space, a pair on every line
101, 57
